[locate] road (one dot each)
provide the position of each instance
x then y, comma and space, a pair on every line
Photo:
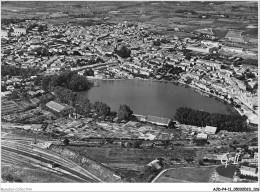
46, 157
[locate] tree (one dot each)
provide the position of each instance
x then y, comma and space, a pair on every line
79, 83
18, 180
66, 141
46, 83
41, 28
18, 71
123, 52
37, 81
67, 79
201, 162
3, 88
157, 43
14, 95
24, 94
124, 113
8, 177
137, 144
233, 123
46, 98
101, 108
188, 56
83, 105
54, 81
89, 72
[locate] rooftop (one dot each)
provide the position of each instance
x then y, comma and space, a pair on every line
160, 120
234, 34
210, 129
57, 106
207, 31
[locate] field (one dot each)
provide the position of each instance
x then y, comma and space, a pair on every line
252, 33
131, 158
170, 180
227, 171
191, 174
161, 14
131, 163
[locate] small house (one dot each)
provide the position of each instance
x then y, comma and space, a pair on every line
35, 101
155, 163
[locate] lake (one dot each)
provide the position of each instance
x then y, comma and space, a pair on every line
151, 98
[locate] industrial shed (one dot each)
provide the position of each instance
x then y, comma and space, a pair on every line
158, 120
59, 108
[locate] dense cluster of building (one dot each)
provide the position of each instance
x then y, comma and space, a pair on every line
91, 51
76, 48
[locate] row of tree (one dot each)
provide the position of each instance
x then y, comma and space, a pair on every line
7, 21
232, 123
17, 71
67, 79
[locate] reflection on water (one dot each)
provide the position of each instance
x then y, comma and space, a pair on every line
151, 98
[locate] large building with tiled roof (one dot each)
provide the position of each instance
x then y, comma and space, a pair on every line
158, 120
59, 108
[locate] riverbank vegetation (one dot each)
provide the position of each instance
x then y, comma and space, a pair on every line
232, 123
83, 106
69, 80
101, 108
125, 113
81, 103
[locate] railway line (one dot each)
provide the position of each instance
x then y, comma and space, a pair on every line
12, 158
49, 158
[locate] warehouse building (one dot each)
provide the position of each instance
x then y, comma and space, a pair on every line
58, 108
158, 120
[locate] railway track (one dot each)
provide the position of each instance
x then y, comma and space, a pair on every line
11, 158
44, 158
51, 155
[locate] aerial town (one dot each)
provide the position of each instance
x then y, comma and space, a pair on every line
51, 126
